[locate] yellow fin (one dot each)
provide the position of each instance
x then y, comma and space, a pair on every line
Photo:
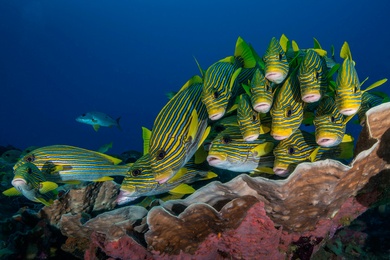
12, 192
263, 149
193, 129
283, 41
244, 51
178, 175
204, 136
347, 138
229, 59
264, 169
104, 178
234, 76
182, 189
47, 186
264, 129
313, 155
232, 108
146, 137
96, 127
195, 79
346, 149
114, 160
199, 67
345, 52
294, 46
44, 202
376, 84
320, 52
317, 44
209, 176
71, 182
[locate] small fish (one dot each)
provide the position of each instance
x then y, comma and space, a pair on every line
348, 95
329, 123
287, 111
178, 131
231, 152
276, 64
31, 183
312, 75
221, 84
248, 119
141, 182
63, 163
98, 119
261, 92
301, 147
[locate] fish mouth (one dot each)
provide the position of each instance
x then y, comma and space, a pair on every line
281, 171
214, 160
216, 113
262, 107
327, 142
311, 98
348, 111
125, 197
280, 137
19, 184
276, 77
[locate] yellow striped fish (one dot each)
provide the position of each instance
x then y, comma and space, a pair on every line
141, 182
348, 95
287, 110
261, 92
31, 183
276, 65
248, 119
312, 75
301, 147
220, 80
231, 152
63, 163
179, 129
329, 124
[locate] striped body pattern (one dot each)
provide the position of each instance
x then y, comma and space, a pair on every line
248, 119
312, 75
276, 64
329, 124
287, 111
348, 94
230, 151
262, 93
61, 163
368, 101
177, 131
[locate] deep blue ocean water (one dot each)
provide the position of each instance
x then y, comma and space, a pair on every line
60, 59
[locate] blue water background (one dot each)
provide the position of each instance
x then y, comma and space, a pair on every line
60, 59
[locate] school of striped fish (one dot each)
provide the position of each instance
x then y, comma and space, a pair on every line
245, 113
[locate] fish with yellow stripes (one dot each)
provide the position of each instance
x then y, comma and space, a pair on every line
276, 65
261, 92
31, 183
301, 147
221, 80
231, 152
369, 100
178, 131
63, 163
312, 75
141, 181
348, 95
329, 123
287, 110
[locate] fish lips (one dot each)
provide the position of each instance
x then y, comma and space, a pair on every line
20, 184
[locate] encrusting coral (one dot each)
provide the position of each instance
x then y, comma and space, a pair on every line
243, 218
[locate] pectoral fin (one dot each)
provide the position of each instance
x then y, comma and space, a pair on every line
182, 189
263, 149
96, 127
105, 178
12, 192
47, 186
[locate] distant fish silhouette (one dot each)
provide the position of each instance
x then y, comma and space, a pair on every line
98, 119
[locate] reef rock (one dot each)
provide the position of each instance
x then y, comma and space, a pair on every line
245, 218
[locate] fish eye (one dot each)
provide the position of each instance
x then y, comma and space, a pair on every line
355, 90
317, 75
136, 172
29, 171
289, 112
332, 119
29, 158
219, 128
216, 94
290, 150
280, 56
267, 86
226, 139
83, 115
254, 117
161, 154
